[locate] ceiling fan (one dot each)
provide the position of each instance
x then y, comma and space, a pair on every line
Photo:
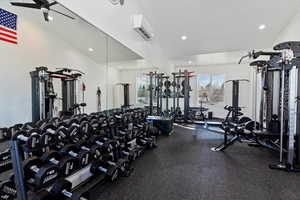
115, 2
43, 5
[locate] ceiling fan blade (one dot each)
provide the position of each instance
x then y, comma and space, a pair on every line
46, 16
53, 3
62, 14
122, 2
26, 5
41, 2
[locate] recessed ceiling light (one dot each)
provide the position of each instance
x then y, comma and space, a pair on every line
91, 49
190, 62
262, 27
183, 37
50, 18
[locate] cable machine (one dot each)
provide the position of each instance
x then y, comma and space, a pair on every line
44, 96
277, 80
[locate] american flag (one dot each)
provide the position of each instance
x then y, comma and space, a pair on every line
8, 27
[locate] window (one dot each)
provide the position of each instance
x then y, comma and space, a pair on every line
210, 89
142, 92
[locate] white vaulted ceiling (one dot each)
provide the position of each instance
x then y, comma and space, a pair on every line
216, 25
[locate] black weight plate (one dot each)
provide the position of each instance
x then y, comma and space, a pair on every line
48, 128
167, 84
61, 185
5, 196
67, 166
74, 133
9, 187
46, 139
28, 163
46, 176
61, 134
85, 158
33, 141
173, 84
86, 130
78, 195
96, 152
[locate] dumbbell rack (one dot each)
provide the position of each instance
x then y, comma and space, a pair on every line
77, 179
83, 180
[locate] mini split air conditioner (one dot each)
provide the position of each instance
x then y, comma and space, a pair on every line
142, 27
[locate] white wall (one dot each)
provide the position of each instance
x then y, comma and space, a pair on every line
39, 47
113, 98
291, 32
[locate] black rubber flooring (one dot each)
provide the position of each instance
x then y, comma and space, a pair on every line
183, 167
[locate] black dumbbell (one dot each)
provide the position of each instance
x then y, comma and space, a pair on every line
106, 145
5, 133
95, 150
122, 164
129, 154
32, 141
84, 157
5, 161
41, 123
79, 129
8, 187
61, 135
70, 129
62, 189
110, 171
167, 84
74, 133
86, 130
66, 164
69, 122
5, 196
37, 173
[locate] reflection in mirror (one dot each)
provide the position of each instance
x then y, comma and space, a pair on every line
133, 72
60, 42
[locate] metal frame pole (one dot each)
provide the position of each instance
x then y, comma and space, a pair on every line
174, 92
255, 96
186, 95
18, 170
282, 114
151, 93
293, 88
235, 98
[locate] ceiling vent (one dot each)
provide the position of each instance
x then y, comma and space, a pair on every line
142, 27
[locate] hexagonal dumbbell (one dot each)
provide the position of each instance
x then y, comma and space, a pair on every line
62, 189
38, 174
111, 171
84, 157
66, 164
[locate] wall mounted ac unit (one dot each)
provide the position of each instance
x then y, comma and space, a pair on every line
142, 27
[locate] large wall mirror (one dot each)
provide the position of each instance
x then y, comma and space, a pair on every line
61, 42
